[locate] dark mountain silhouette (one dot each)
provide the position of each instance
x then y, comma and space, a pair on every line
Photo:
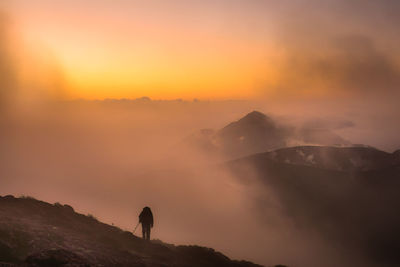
349, 195
255, 133
35, 233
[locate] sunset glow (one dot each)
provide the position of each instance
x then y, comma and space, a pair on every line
121, 54
206, 50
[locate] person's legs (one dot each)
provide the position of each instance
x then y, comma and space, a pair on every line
148, 232
143, 231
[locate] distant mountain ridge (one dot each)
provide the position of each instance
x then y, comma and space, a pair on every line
257, 132
36, 233
335, 158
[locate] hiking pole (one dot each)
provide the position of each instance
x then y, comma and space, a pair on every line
136, 227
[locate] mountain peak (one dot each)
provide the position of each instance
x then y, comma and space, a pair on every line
258, 120
255, 115
253, 119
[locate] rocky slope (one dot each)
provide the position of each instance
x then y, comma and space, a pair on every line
35, 233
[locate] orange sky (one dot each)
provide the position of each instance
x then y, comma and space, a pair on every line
189, 49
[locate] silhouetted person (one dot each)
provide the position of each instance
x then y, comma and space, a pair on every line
146, 219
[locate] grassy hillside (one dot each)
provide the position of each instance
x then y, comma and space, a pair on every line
37, 233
